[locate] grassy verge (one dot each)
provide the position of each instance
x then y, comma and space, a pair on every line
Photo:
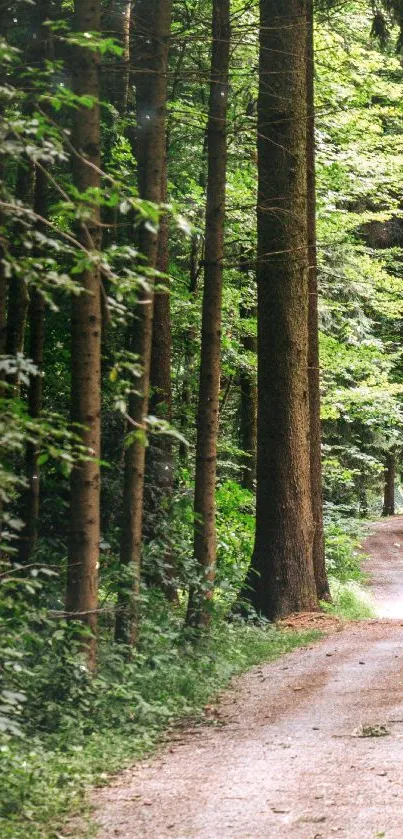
350, 601
103, 726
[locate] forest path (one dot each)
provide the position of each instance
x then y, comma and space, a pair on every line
296, 753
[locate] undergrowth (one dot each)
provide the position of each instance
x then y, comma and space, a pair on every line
81, 730
63, 731
350, 601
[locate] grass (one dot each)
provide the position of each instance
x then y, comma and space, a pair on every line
43, 777
350, 601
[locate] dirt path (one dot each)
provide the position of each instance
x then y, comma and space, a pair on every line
385, 566
289, 760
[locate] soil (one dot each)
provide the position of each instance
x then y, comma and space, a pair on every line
308, 747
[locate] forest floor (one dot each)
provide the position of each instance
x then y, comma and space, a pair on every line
307, 747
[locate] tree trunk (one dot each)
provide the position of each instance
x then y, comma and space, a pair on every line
82, 596
36, 320
152, 25
322, 584
281, 577
248, 385
389, 491
159, 461
209, 386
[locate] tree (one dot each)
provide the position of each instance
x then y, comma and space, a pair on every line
248, 385
322, 584
281, 578
82, 594
152, 25
159, 460
389, 490
209, 384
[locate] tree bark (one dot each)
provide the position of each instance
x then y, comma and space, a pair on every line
159, 460
389, 491
152, 25
322, 583
281, 577
248, 386
209, 385
82, 596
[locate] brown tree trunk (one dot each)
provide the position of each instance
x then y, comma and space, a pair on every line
36, 320
322, 584
389, 491
281, 577
159, 461
248, 385
152, 26
209, 386
82, 582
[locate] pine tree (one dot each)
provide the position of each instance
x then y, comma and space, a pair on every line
82, 594
281, 578
152, 24
209, 385
389, 489
322, 584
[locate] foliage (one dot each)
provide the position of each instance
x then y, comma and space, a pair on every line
75, 730
61, 729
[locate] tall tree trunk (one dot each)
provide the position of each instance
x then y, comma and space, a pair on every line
36, 321
281, 577
209, 386
389, 491
322, 584
248, 385
159, 461
152, 26
82, 583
